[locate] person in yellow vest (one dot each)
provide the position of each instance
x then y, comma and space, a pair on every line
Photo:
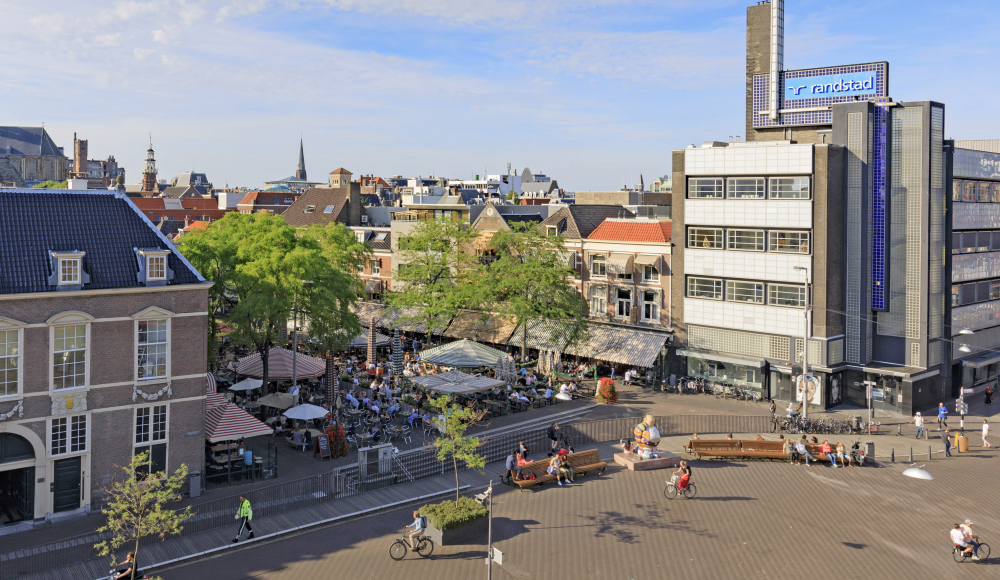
246, 513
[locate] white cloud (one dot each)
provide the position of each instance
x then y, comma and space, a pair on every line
142, 53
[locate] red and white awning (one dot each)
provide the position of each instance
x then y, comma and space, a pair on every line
227, 422
279, 366
214, 400
211, 386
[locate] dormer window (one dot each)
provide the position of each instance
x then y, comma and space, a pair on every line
69, 271
310, 208
156, 268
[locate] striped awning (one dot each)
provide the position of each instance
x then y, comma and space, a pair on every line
373, 286
456, 383
462, 353
367, 310
279, 366
619, 263
227, 422
542, 335
211, 385
620, 345
568, 258
649, 260
214, 400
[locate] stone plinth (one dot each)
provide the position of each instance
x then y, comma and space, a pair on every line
634, 463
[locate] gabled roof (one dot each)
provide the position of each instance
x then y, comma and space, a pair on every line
581, 220
104, 224
632, 231
320, 198
182, 191
27, 141
340, 171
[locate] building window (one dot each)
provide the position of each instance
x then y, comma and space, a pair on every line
598, 267
705, 188
984, 192
996, 192
328, 209
151, 437
152, 349
69, 435
69, 270
789, 188
705, 238
968, 191
746, 240
9, 359
956, 190
156, 267
374, 265
745, 188
650, 274
791, 242
310, 209
786, 295
650, 305
956, 295
745, 292
69, 356
704, 288
995, 290
624, 298
551, 230
983, 241
598, 301
969, 240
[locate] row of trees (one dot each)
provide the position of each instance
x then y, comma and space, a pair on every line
522, 274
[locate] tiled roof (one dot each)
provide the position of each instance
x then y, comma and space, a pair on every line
340, 171
581, 220
319, 198
632, 231
27, 141
104, 224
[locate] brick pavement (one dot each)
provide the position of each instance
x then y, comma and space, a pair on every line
746, 523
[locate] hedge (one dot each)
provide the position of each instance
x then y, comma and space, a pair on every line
446, 516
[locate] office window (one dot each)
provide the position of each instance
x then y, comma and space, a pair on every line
9, 359
69, 356
598, 267
703, 188
68, 435
151, 436
650, 274
995, 290
69, 270
745, 187
786, 295
996, 192
969, 240
156, 267
956, 295
745, 292
650, 305
789, 188
791, 242
994, 242
983, 241
984, 191
152, 344
982, 291
624, 298
968, 294
956, 243
704, 288
956, 190
705, 238
746, 240
968, 191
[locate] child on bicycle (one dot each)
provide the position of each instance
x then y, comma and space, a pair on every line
682, 476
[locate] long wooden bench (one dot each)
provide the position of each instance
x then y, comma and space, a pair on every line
582, 462
745, 449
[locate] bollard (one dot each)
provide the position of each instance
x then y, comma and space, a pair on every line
911, 454
929, 456
892, 457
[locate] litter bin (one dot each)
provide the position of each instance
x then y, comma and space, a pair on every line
194, 484
869, 452
962, 443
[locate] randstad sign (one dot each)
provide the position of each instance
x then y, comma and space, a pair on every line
842, 85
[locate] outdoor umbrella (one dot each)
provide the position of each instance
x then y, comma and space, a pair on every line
277, 400
306, 412
397, 355
247, 385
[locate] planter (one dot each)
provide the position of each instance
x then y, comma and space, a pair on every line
346, 386
474, 532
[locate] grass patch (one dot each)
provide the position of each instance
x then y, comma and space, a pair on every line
447, 516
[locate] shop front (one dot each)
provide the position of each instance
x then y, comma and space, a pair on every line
735, 371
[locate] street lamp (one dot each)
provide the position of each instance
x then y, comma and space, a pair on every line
965, 348
805, 346
966, 331
295, 338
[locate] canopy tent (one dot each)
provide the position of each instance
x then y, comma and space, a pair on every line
462, 353
247, 385
214, 400
620, 345
227, 422
279, 366
211, 386
361, 340
456, 383
277, 400
306, 412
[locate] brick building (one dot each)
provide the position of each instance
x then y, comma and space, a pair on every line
102, 349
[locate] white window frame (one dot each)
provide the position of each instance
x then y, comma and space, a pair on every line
650, 274
716, 282
68, 449
10, 325
772, 187
375, 268
602, 300
772, 242
733, 244
604, 266
759, 291
150, 314
150, 441
774, 288
71, 318
162, 260
619, 302
657, 300
76, 264
731, 187
703, 231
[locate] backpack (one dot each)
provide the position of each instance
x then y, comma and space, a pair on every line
531, 476
423, 522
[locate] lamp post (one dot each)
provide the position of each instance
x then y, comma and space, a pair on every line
805, 346
489, 538
295, 338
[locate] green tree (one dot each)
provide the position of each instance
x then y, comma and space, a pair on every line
434, 277
262, 262
513, 197
529, 281
50, 185
453, 443
138, 507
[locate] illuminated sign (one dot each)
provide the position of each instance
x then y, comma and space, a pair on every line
814, 90
842, 85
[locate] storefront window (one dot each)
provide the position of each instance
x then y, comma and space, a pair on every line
956, 191
968, 191
746, 375
984, 192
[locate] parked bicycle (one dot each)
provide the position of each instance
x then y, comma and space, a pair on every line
399, 548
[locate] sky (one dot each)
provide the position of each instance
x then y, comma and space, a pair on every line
592, 93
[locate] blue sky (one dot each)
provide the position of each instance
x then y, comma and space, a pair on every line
592, 92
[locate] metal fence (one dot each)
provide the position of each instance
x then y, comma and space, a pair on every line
412, 465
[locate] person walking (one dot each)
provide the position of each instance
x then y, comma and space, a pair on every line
988, 396
942, 416
552, 434
919, 421
947, 442
986, 431
773, 408
246, 513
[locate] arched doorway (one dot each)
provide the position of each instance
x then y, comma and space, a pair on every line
17, 479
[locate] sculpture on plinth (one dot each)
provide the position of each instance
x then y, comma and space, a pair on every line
647, 437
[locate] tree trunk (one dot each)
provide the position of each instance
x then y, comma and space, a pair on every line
135, 562
264, 354
455, 463
524, 341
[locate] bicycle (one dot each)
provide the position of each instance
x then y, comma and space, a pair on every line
670, 492
399, 548
958, 552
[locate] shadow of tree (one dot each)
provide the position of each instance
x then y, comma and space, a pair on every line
628, 529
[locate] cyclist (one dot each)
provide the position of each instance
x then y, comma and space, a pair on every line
684, 472
419, 525
967, 530
958, 538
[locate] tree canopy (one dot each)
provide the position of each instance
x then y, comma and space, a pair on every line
50, 185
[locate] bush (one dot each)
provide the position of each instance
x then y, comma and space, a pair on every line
409, 400
346, 378
364, 384
446, 516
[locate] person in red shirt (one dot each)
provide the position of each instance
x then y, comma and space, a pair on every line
827, 450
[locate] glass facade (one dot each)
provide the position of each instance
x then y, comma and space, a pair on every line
745, 375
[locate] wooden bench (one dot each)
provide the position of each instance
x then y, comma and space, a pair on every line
746, 449
582, 462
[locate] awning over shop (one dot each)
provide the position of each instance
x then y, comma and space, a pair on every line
227, 422
754, 362
373, 286
463, 353
211, 386
542, 335
214, 400
456, 383
620, 345
568, 258
619, 263
649, 260
982, 360
279, 366
479, 327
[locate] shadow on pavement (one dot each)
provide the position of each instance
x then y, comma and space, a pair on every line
725, 498
506, 528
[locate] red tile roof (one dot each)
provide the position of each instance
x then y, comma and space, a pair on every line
631, 231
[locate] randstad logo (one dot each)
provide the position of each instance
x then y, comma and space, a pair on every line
830, 86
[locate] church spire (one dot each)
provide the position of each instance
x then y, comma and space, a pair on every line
300, 171
149, 169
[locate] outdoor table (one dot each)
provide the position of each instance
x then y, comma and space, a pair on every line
363, 437
222, 447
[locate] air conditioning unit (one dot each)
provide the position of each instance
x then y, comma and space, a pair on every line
364, 219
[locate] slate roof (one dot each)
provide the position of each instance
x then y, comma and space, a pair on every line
376, 244
368, 199
27, 141
581, 220
319, 198
183, 191
632, 231
104, 224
